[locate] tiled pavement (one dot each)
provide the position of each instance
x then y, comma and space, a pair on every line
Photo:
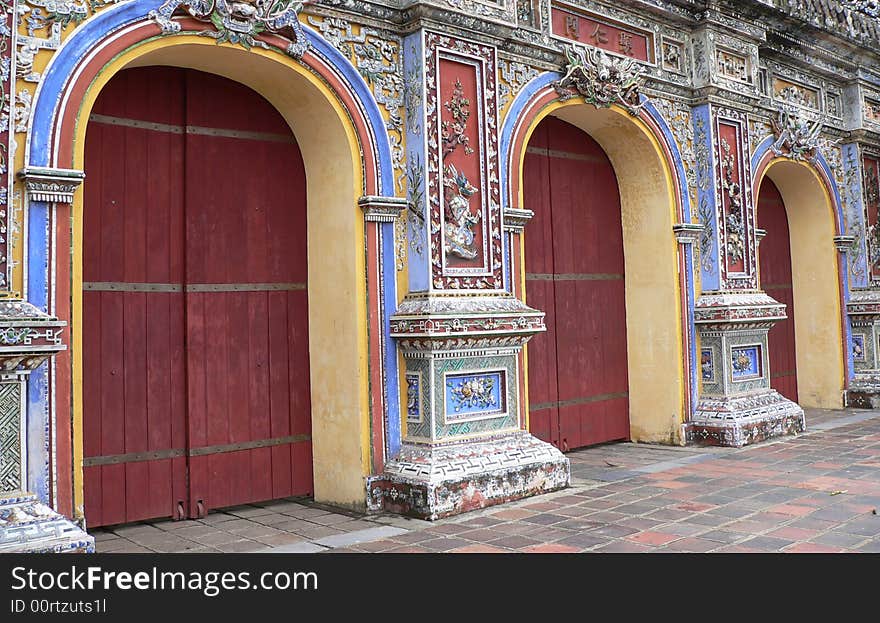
817, 492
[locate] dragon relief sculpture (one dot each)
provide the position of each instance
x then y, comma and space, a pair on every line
460, 221
797, 136
240, 21
602, 80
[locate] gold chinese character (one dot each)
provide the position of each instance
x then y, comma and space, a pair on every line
572, 27
599, 35
625, 42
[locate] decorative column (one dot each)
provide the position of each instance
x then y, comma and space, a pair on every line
380, 214
29, 339
736, 405
459, 331
863, 306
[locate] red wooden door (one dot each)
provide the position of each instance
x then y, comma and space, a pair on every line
578, 386
775, 258
195, 334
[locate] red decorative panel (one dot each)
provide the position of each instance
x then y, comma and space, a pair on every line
195, 328
775, 256
736, 217
871, 168
466, 248
578, 384
602, 33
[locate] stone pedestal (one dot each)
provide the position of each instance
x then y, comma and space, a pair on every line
737, 406
465, 446
28, 338
29, 526
863, 309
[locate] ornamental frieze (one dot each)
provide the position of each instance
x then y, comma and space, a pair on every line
240, 21
601, 79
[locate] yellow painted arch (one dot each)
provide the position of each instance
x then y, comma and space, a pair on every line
653, 297
336, 268
815, 273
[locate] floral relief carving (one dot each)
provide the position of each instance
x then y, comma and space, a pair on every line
735, 228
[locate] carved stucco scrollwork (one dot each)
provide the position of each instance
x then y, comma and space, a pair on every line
377, 56
602, 80
240, 21
513, 76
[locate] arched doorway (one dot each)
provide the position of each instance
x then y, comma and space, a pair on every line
776, 280
799, 266
578, 381
195, 301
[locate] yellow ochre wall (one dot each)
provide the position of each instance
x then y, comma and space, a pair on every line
815, 283
337, 296
653, 304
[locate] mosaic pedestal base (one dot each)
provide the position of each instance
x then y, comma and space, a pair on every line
29, 526
742, 420
434, 481
864, 392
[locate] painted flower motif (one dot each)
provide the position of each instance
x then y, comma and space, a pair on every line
473, 393
741, 361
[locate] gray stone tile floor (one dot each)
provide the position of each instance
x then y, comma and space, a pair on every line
817, 492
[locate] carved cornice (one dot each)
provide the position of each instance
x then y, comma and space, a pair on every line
844, 243
688, 233
864, 304
736, 310
381, 209
51, 184
455, 321
28, 337
515, 219
760, 234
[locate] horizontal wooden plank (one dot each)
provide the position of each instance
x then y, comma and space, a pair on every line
565, 155
573, 277
170, 453
577, 401
119, 286
191, 129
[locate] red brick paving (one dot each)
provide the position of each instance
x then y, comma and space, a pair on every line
764, 498
550, 548
812, 548
650, 537
791, 509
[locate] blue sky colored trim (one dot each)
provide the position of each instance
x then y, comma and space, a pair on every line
677, 160
517, 106
710, 279
762, 150
392, 411
416, 159
850, 154
37, 430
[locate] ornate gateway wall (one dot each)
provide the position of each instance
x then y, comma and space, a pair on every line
414, 119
